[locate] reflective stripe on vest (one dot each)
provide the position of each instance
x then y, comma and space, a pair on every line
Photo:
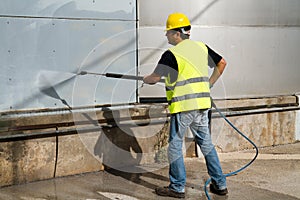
191, 89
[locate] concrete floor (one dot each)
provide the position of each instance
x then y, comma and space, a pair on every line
274, 175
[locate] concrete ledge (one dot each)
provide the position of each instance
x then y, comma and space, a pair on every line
272, 121
26, 161
41, 145
37, 145
266, 129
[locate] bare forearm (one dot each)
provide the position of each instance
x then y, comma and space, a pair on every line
152, 78
218, 70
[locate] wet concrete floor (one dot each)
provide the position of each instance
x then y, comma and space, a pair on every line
274, 175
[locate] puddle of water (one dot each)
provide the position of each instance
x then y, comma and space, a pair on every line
116, 196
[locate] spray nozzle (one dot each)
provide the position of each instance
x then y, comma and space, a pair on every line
82, 73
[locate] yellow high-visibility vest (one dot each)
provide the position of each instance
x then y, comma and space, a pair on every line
191, 89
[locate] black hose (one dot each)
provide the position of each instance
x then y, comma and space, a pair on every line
244, 136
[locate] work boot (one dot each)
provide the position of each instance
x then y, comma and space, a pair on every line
165, 191
213, 188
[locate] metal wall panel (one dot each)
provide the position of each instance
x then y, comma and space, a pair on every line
95, 9
261, 61
259, 39
223, 12
46, 53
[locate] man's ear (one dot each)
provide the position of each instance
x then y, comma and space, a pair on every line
177, 34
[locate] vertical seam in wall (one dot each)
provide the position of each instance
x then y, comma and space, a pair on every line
297, 120
56, 152
137, 49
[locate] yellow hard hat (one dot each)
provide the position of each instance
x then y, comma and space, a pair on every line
177, 20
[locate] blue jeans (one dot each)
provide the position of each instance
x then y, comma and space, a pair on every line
197, 121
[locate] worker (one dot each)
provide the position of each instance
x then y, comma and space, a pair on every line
185, 69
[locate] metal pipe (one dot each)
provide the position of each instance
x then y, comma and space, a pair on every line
6, 138
56, 132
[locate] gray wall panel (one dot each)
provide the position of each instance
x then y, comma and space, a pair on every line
223, 12
40, 52
259, 39
261, 61
100, 9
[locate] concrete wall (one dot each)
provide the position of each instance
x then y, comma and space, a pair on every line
266, 121
43, 145
32, 160
131, 139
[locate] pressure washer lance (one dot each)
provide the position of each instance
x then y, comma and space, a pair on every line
121, 76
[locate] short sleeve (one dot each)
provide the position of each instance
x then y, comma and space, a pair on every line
213, 57
167, 66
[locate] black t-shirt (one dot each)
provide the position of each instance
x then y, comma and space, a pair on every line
167, 65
